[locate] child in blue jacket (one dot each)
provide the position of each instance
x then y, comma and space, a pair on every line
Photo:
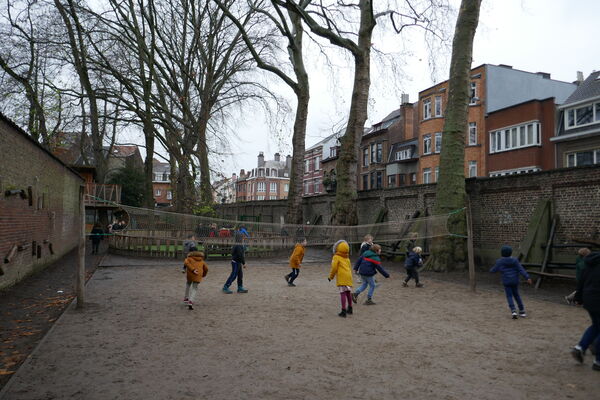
367, 266
511, 268
412, 263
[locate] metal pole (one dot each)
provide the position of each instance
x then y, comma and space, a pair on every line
80, 284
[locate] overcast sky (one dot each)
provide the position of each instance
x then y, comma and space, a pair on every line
555, 36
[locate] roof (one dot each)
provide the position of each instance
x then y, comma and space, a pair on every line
337, 134
18, 129
124, 150
588, 89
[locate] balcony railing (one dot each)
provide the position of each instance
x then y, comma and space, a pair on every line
102, 195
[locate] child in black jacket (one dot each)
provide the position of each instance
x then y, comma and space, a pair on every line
238, 263
413, 261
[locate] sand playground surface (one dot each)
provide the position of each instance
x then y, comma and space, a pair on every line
136, 340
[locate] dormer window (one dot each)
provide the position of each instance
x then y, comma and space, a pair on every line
584, 115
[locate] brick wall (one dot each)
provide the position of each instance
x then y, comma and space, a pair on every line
501, 207
52, 220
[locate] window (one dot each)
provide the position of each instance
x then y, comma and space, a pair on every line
366, 157
583, 115
372, 180
306, 188
379, 156
261, 187
391, 181
413, 178
427, 175
401, 180
379, 179
306, 166
516, 137
317, 163
273, 187
523, 170
157, 192
438, 106
472, 169
268, 172
402, 154
426, 108
165, 177
373, 153
427, 144
438, 142
473, 93
261, 172
437, 173
169, 195
317, 186
365, 181
286, 188
272, 197
472, 133
585, 157
332, 152
260, 197
273, 172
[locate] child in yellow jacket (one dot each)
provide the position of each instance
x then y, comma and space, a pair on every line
340, 268
295, 261
195, 270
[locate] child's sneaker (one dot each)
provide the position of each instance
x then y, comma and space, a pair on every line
577, 354
404, 284
242, 289
287, 278
343, 313
514, 314
522, 314
190, 306
355, 298
596, 366
291, 284
226, 290
186, 301
370, 302
419, 285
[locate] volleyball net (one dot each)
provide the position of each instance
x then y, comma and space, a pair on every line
141, 222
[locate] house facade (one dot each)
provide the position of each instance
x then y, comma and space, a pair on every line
162, 189
270, 180
491, 88
224, 190
577, 138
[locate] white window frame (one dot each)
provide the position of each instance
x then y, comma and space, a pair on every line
427, 144
473, 93
402, 154
366, 157
169, 195
472, 133
260, 197
595, 156
438, 106
261, 187
436, 173
317, 163
379, 152
271, 197
502, 139
472, 169
426, 175
516, 171
286, 187
306, 166
373, 158
438, 143
595, 115
427, 108
157, 192
273, 187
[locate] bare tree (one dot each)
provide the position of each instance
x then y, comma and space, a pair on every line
450, 194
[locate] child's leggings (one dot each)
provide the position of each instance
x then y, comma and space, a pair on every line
513, 291
346, 298
412, 273
190, 291
294, 274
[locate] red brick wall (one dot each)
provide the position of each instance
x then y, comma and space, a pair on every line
53, 216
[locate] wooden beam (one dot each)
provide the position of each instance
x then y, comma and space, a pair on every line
547, 251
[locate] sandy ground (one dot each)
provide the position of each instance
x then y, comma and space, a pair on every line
135, 340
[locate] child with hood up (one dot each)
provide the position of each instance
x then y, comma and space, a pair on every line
295, 261
340, 268
196, 269
511, 268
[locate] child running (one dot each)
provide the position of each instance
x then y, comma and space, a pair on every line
367, 266
295, 261
413, 261
340, 268
196, 269
511, 268
238, 263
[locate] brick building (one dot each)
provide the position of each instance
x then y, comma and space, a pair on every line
162, 189
40, 218
578, 135
519, 138
492, 88
317, 177
270, 180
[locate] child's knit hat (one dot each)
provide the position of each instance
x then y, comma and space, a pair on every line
506, 251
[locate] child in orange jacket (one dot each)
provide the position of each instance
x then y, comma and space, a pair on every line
340, 268
295, 261
195, 269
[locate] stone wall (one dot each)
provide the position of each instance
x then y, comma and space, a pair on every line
501, 207
46, 223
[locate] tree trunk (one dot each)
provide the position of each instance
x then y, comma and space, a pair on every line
206, 196
450, 252
345, 210
185, 196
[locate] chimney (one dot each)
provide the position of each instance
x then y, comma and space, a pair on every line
404, 98
579, 76
242, 173
277, 157
234, 177
288, 163
261, 159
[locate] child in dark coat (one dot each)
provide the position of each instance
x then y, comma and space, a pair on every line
96, 237
367, 266
511, 268
413, 261
238, 263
